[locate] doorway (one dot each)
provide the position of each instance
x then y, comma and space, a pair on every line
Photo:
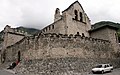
19, 56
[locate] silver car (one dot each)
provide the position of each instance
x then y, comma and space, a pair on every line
102, 68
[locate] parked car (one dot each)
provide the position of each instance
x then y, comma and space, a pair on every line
102, 68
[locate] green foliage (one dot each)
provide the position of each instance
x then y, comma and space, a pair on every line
30, 31
118, 33
103, 23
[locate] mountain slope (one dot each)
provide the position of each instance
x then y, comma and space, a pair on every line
103, 23
30, 31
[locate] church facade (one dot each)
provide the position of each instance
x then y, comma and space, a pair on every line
73, 20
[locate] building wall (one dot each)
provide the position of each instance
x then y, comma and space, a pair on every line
73, 25
101, 34
11, 36
54, 47
57, 27
107, 33
11, 39
67, 51
67, 24
113, 37
81, 47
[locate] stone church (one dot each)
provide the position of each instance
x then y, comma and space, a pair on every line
74, 20
69, 39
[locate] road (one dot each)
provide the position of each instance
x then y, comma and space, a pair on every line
114, 72
8, 72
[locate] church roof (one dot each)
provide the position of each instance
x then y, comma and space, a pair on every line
72, 5
16, 33
102, 26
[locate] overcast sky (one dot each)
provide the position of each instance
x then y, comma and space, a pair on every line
40, 13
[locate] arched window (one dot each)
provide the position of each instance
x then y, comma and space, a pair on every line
57, 10
81, 17
78, 33
76, 15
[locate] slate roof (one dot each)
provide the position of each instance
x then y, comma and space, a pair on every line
94, 28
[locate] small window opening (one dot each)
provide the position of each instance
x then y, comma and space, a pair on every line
46, 28
43, 30
19, 55
52, 26
81, 17
78, 33
76, 15
83, 35
49, 27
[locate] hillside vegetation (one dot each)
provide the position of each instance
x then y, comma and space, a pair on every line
102, 23
30, 31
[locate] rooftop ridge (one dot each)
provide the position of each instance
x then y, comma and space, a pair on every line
15, 31
17, 42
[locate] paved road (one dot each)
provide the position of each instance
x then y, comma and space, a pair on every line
9, 72
114, 72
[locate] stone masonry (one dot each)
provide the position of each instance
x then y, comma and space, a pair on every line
54, 54
66, 47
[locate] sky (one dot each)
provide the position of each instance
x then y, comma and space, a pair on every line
40, 13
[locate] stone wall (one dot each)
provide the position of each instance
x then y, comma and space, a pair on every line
57, 46
11, 39
57, 27
11, 36
11, 52
75, 25
62, 66
52, 45
56, 54
107, 33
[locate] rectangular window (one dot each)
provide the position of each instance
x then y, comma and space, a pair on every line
52, 26
81, 17
49, 27
46, 28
